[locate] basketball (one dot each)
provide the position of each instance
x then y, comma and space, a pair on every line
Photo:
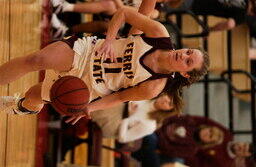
69, 95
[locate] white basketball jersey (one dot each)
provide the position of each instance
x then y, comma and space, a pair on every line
106, 77
103, 77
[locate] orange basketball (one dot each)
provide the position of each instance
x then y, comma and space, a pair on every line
69, 95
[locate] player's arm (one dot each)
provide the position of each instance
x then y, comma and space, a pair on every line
150, 27
144, 91
146, 8
118, 3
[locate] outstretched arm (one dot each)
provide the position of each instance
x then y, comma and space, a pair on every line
146, 90
150, 27
146, 8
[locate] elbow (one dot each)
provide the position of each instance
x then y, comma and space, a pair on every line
157, 29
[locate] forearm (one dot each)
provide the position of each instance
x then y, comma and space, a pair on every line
117, 20
146, 8
105, 102
150, 27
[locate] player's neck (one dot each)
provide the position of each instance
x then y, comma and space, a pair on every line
155, 61
151, 61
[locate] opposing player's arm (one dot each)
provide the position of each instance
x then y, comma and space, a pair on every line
150, 27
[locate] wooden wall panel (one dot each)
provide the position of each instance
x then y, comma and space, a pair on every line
217, 48
189, 26
108, 156
81, 154
240, 55
24, 39
4, 56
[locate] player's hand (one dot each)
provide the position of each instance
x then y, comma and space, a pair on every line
76, 117
107, 50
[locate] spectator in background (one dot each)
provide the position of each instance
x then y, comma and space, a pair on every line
179, 138
236, 12
231, 154
126, 122
143, 118
106, 9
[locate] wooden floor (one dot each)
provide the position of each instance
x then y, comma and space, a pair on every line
19, 35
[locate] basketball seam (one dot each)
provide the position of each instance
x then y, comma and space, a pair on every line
60, 84
68, 92
63, 83
70, 104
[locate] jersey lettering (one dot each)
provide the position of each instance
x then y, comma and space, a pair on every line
97, 69
127, 66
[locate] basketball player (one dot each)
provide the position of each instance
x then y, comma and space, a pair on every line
145, 65
105, 7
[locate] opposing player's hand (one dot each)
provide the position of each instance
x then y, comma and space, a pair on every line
76, 117
107, 50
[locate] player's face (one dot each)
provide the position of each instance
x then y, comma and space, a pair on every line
185, 60
163, 103
241, 149
207, 135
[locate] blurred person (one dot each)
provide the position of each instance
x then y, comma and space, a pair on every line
143, 118
236, 11
232, 154
105, 7
125, 122
179, 138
